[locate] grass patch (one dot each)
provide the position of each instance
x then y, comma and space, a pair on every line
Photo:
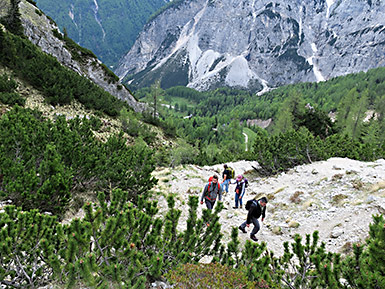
213, 275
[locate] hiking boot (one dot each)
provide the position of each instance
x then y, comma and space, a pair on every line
235, 207
252, 237
240, 206
242, 229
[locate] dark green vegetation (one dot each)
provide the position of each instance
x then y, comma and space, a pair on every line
108, 37
8, 94
302, 131
59, 84
44, 164
121, 245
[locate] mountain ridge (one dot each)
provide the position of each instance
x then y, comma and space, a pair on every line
44, 33
256, 45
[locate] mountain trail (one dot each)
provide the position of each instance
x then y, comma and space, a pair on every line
336, 197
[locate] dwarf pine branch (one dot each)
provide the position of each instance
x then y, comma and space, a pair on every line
124, 245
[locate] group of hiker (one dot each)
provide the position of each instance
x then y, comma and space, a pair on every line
256, 208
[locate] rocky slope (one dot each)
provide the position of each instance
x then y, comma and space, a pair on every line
40, 30
90, 24
256, 44
336, 197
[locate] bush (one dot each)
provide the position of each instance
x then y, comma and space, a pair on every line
8, 94
115, 244
280, 152
11, 98
43, 163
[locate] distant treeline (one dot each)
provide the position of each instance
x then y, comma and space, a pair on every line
212, 122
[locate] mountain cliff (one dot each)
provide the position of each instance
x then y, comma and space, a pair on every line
108, 28
43, 32
251, 44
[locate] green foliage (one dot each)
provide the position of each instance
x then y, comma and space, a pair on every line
280, 152
314, 268
57, 34
303, 265
169, 5
8, 94
44, 163
12, 20
59, 84
123, 245
26, 247
214, 139
135, 128
116, 243
129, 19
294, 114
209, 121
365, 269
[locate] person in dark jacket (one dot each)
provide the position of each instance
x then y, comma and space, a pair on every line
226, 175
257, 209
239, 190
211, 191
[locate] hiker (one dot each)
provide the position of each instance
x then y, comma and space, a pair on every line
241, 184
211, 191
257, 208
226, 176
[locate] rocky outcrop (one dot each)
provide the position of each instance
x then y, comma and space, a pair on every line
40, 30
257, 44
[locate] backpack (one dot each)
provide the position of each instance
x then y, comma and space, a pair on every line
210, 181
239, 185
250, 203
232, 172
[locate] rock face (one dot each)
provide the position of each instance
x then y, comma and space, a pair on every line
39, 30
252, 44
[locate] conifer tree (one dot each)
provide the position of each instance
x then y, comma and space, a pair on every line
26, 241
12, 20
345, 108
284, 121
357, 115
366, 268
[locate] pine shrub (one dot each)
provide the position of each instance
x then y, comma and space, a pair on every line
43, 163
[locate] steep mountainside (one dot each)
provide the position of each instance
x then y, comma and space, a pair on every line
256, 44
108, 28
43, 32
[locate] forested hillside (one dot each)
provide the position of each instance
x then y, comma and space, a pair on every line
346, 110
89, 23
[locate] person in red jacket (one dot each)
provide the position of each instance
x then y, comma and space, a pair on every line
257, 209
211, 191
